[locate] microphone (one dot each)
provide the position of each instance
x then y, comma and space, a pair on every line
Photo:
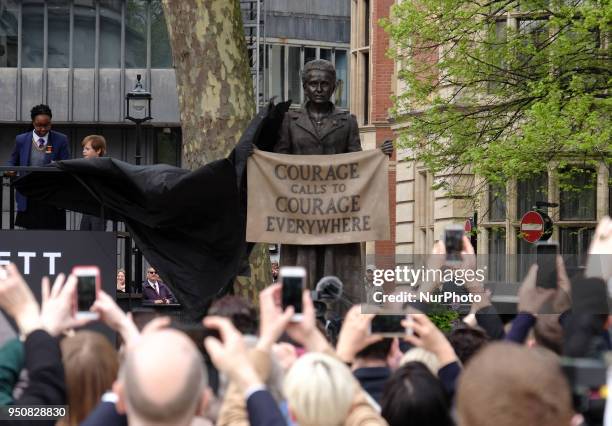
328, 288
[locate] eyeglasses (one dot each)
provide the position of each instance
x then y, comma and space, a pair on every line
151, 272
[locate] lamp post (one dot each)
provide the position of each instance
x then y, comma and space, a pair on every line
138, 110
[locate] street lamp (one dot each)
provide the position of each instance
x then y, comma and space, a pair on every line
138, 110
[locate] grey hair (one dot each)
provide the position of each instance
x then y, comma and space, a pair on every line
319, 65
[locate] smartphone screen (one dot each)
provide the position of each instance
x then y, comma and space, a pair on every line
86, 292
292, 293
453, 242
388, 325
546, 258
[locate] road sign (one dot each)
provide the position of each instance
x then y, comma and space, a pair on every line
533, 226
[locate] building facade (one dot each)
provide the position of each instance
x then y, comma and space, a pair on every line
421, 212
372, 85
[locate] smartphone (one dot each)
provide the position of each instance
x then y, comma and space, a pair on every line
453, 242
292, 279
388, 325
88, 285
546, 258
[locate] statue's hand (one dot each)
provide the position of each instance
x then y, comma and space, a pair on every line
387, 148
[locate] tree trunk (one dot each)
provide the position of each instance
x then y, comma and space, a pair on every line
215, 93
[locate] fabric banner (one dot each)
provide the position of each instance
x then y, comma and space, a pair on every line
318, 199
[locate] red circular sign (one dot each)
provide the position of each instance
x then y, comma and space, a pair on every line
532, 226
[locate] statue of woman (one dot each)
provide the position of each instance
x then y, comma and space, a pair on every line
319, 128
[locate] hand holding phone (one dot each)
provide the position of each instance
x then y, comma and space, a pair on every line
292, 279
453, 242
546, 258
88, 286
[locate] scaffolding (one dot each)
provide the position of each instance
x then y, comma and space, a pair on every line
254, 19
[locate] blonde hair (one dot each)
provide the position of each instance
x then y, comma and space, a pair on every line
319, 390
98, 143
423, 356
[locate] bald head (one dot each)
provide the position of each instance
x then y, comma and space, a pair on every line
163, 379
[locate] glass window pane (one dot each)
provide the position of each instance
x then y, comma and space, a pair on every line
59, 34
161, 53
497, 254
326, 54
529, 191
342, 87
84, 35
32, 35
497, 203
276, 66
167, 149
9, 15
110, 34
310, 54
575, 241
579, 203
294, 74
136, 34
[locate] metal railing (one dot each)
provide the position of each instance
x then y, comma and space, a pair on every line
129, 257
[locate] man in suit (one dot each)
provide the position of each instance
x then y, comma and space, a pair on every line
155, 291
38, 148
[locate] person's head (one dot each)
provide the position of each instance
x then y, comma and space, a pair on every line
162, 381
275, 271
93, 146
41, 119
413, 393
319, 80
238, 310
319, 390
378, 351
466, 341
548, 333
428, 359
120, 278
91, 365
369, 274
152, 274
508, 384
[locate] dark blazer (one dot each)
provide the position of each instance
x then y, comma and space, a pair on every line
338, 134
43, 360
21, 155
263, 410
149, 294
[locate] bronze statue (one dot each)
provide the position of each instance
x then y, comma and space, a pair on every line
315, 129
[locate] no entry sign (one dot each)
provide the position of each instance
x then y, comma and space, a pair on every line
535, 226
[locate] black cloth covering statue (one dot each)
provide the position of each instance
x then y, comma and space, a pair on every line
190, 224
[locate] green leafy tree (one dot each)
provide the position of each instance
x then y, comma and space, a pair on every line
502, 88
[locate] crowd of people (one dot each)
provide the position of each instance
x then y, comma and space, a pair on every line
267, 369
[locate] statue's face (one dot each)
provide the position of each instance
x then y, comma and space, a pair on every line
319, 86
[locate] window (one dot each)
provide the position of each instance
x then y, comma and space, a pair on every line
310, 54
110, 34
9, 14
497, 203
526, 257
497, 254
575, 241
168, 146
84, 34
326, 54
161, 53
295, 75
366, 88
579, 202
529, 191
366, 22
342, 87
136, 34
58, 37
276, 72
32, 35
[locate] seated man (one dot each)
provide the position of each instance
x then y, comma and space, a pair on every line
155, 291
